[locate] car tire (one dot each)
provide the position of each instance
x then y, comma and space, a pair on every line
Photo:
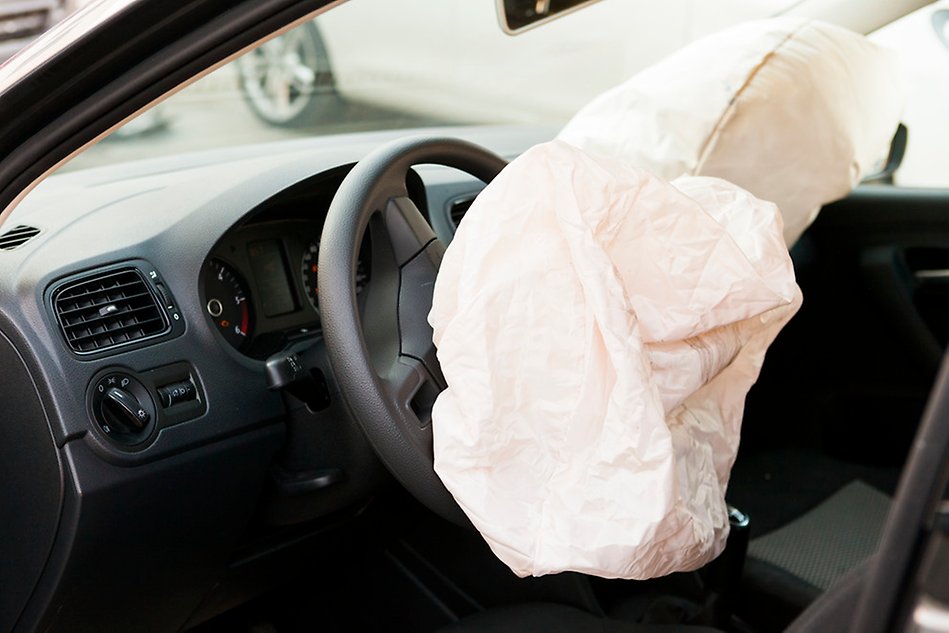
288, 81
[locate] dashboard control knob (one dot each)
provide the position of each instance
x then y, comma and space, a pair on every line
122, 408
176, 393
125, 409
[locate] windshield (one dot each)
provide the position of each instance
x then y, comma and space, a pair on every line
394, 64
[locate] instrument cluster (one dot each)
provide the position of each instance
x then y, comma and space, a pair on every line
259, 286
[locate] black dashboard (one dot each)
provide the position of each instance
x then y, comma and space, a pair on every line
136, 322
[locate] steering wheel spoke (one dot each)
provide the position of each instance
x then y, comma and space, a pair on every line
409, 233
413, 390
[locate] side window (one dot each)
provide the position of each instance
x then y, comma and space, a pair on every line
921, 42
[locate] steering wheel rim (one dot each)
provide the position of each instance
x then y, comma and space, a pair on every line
380, 380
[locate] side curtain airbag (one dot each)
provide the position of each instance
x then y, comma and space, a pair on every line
794, 111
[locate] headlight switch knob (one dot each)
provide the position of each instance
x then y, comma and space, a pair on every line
125, 409
122, 408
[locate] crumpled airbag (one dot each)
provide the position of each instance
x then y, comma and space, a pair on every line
599, 328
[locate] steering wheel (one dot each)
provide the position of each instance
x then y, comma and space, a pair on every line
384, 361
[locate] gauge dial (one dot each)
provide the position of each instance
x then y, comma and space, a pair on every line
227, 304
309, 270
308, 273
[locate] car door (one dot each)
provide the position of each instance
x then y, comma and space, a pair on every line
876, 263
862, 354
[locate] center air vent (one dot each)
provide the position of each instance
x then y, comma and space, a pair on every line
107, 310
17, 236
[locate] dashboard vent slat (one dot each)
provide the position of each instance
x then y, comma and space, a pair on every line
107, 310
84, 305
17, 237
106, 319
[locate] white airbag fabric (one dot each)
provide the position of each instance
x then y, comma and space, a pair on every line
605, 305
796, 112
599, 328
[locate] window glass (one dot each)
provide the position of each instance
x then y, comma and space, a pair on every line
921, 42
393, 64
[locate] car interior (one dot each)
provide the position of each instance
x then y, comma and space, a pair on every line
218, 380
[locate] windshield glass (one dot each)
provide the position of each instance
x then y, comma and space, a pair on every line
393, 64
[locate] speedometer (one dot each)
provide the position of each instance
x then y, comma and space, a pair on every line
310, 268
226, 303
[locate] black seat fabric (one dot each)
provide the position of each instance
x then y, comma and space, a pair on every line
831, 612
555, 618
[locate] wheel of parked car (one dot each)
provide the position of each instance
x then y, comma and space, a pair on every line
287, 81
384, 361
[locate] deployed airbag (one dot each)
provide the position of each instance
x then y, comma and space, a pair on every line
607, 302
599, 328
794, 111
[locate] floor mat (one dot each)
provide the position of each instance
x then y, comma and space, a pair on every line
829, 540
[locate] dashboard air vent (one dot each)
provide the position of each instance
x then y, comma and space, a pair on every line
107, 310
458, 209
17, 236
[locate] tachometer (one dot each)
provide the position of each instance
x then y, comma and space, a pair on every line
309, 270
227, 304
